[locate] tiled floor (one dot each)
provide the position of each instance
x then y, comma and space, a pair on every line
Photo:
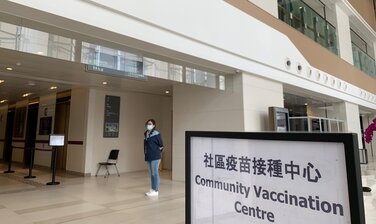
88, 200
109, 200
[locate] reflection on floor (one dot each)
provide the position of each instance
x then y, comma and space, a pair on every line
88, 200
109, 200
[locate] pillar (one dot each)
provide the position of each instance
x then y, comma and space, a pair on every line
243, 106
349, 112
343, 34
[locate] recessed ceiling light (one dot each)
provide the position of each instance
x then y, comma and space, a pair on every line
167, 91
2, 80
53, 87
26, 94
31, 83
40, 52
3, 101
306, 104
9, 69
18, 63
104, 83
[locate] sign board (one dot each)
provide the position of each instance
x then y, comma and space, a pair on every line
103, 70
56, 140
111, 117
264, 178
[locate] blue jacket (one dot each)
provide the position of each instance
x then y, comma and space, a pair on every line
152, 146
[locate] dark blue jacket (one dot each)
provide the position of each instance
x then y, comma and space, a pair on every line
152, 146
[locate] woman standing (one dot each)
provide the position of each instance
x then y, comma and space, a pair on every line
153, 146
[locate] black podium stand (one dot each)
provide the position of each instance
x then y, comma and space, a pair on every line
55, 141
54, 155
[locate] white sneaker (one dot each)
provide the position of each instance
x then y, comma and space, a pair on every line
153, 193
147, 193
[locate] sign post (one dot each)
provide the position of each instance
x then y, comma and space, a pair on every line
270, 178
55, 141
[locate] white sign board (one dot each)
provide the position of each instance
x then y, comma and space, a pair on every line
56, 140
267, 181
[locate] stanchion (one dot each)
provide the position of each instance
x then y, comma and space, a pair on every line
54, 155
10, 162
31, 164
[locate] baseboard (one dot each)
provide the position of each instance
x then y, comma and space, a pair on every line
78, 173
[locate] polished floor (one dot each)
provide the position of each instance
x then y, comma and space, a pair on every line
110, 200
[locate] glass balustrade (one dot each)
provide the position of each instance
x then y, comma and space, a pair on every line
299, 15
316, 124
363, 61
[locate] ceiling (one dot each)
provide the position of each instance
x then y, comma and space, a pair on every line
37, 74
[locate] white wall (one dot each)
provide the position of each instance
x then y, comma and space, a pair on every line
3, 123
258, 95
271, 6
77, 130
47, 106
242, 107
225, 36
135, 109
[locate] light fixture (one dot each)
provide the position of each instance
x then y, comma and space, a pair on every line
40, 52
26, 94
3, 101
53, 87
9, 69
30, 83
104, 83
2, 80
305, 104
167, 91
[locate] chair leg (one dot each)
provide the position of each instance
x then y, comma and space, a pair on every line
96, 174
107, 172
117, 170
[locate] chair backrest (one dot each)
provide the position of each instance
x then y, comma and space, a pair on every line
113, 155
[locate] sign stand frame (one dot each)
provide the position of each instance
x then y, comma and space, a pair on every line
55, 140
349, 140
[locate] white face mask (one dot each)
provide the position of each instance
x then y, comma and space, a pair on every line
149, 127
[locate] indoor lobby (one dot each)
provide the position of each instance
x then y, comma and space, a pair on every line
115, 200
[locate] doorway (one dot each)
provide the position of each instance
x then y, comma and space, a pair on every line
9, 135
31, 132
62, 112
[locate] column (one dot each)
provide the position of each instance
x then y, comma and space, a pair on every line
349, 112
242, 107
204, 109
78, 128
258, 95
344, 35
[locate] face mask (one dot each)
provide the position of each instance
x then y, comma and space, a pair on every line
149, 127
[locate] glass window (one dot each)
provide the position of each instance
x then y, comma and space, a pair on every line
111, 58
162, 69
201, 78
36, 42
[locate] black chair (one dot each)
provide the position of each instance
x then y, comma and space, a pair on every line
111, 161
